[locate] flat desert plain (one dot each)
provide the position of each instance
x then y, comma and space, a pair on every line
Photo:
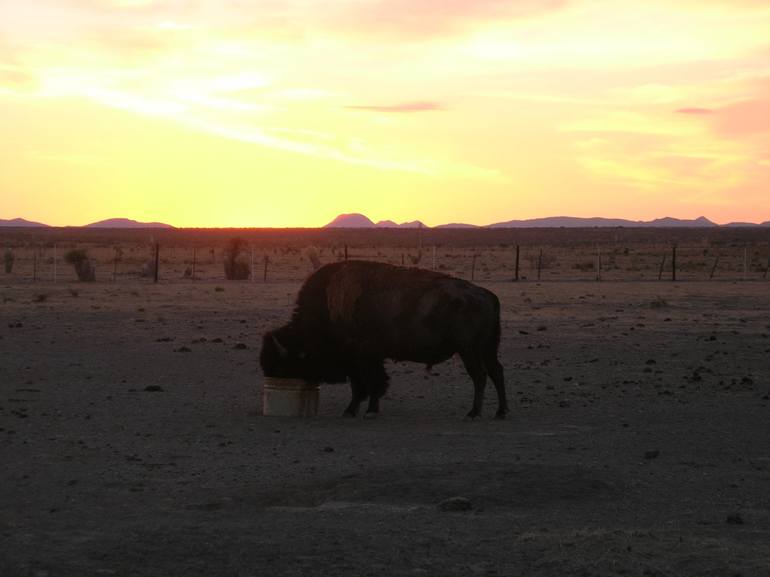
132, 441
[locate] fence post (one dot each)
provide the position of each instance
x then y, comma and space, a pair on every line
115, 264
673, 263
253, 276
598, 263
346, 252
264, 276
54, 263
662, 264
473, 267
539, 263
419, 235
766, 268
157, 260
34, 265
434, 257
195, 250
516, 268
714, 268
745, 263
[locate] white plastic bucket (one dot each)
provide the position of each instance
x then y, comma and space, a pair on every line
289, 398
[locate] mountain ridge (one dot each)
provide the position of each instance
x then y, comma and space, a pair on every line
126, 223
107, 223
357, 220
21, 222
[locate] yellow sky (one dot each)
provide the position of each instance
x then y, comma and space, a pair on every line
288, 112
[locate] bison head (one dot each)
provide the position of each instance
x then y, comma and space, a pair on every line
285, 355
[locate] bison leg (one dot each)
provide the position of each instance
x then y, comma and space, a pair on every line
372, 374
478, 373
368, 379
359, 394
495, 370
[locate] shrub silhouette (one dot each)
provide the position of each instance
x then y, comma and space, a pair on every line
236, 266
9, 259
78, 258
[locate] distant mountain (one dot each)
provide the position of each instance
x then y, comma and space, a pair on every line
356, 220
412, 224
676, 222
574, 222
126, 223
352, 220
564, 222
741, 224
21, 222
457, 225
391, 224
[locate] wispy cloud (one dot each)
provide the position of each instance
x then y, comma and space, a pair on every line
419, 106
129, 5
658, 165
15, 77
196, 103
700, 111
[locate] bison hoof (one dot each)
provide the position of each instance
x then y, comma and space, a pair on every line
471, 416
371, 415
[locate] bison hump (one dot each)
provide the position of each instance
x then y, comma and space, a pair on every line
342, 294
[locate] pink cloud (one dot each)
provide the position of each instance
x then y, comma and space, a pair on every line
745, 118
749, 116
410, 18
420, 106
126, 5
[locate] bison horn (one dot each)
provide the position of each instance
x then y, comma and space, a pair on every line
281, 349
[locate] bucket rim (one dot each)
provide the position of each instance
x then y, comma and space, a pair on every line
289, 383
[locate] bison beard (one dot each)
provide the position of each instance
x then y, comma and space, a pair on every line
351, 316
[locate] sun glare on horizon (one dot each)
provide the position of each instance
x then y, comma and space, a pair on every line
210, 113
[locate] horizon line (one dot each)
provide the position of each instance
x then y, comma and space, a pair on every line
160, 225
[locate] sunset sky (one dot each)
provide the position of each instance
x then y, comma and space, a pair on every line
288, 112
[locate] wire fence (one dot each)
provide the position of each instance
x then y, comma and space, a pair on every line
502, 263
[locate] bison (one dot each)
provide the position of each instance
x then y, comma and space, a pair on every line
350, 316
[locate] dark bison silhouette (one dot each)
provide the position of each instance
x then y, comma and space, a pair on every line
350, 316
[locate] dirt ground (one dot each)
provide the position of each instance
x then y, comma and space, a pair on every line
132, 444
